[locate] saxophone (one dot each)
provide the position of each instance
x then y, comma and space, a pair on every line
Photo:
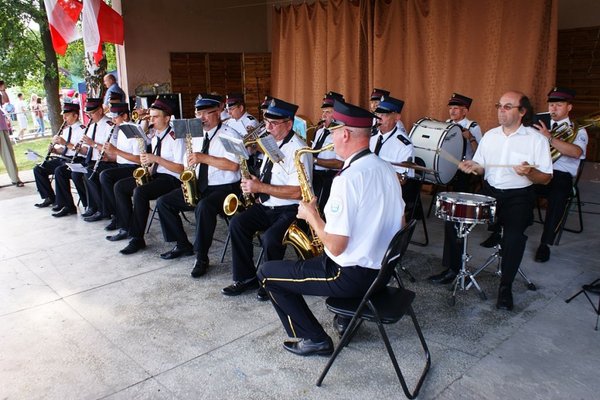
305, 246
189, 183
142, 173
232, 202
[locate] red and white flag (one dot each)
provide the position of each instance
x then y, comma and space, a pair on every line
62, 21
100, 24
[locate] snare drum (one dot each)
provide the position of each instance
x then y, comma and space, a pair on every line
465, 207
428, 137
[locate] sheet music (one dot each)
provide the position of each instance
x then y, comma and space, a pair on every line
132, 131
269, 146
234, 146
32, 155
181, 127
76, 167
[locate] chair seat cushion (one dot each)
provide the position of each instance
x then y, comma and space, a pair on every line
391, 303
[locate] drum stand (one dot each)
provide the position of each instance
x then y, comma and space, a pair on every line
462, 232
497, 255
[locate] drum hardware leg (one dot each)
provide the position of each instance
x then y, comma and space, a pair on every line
462, 231
497, 255
584, 290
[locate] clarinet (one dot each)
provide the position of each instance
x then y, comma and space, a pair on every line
51, 145
102, 152
79, 144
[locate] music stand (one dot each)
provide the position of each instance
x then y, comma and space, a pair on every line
182, 127
593, 287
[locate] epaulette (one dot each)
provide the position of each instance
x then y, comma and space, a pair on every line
404, 140
472, 125
110, 123
250, 117
82, 126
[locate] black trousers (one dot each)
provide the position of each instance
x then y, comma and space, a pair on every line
42, 174
514, 213
322, 180
286, 282
133, 202
273, 221
62, 175
92, 184
557, 193
108, 178
171, 204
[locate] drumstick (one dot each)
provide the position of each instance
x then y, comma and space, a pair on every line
448, 157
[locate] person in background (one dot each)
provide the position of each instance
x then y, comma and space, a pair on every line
6, 150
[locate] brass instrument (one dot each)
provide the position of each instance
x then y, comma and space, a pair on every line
305, 246
189, 182
232, 202
254, 134
51, 144
567, 133
142, 173
139, 115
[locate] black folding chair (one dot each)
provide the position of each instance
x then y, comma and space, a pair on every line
382, 304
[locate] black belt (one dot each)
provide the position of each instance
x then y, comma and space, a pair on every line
282, 208
512, 191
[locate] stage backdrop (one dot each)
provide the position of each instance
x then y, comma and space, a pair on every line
420, 50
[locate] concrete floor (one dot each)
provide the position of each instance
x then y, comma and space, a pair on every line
80, 321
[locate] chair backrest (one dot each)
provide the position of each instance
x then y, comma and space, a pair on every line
579, 172
393, 256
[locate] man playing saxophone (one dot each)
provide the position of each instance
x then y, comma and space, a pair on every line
278, 190
365, 210
165, 163
217, 175
560, 103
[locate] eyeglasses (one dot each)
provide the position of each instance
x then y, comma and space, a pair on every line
275, 122
201, 114
505, 107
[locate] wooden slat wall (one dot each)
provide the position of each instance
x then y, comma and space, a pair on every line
578, 67
194, 73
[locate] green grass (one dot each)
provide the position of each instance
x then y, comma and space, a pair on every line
40, 146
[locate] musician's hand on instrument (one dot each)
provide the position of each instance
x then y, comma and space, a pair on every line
58, 140
467, 134
251, 185
524, 169
307, 209
110, 149
469, 167
540, 126
87, 140
147, 158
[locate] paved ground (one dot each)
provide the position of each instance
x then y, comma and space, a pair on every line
80, 321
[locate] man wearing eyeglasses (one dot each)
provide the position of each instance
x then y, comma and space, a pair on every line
217, 175
560, 104
240, 119
511, 158
98, 129
366, 190
164, 163
326, 163
278, 191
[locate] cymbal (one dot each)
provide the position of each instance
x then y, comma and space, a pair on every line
411, 165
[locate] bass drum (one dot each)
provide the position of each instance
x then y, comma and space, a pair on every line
439, 144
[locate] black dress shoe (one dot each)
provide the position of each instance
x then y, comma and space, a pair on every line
119, 236
45, 203
505, 300
306, 347
56, 208
443, 277
177, 252
262, 294
88, 213
492, 241
200, 268
340, 324
97, 216
135, 245
239, 287
543, 253
112, 226
64, 212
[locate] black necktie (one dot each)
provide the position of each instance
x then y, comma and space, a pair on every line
157, 152
203, 172
321, 140
64, 153
88, 156
378, 145
554, 125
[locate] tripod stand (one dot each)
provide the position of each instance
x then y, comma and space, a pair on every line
462, 232
593, 288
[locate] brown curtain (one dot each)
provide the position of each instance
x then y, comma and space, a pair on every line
420, 50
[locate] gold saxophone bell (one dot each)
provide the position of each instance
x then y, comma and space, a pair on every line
230, 204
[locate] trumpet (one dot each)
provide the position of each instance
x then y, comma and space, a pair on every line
140, 114
254, 134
